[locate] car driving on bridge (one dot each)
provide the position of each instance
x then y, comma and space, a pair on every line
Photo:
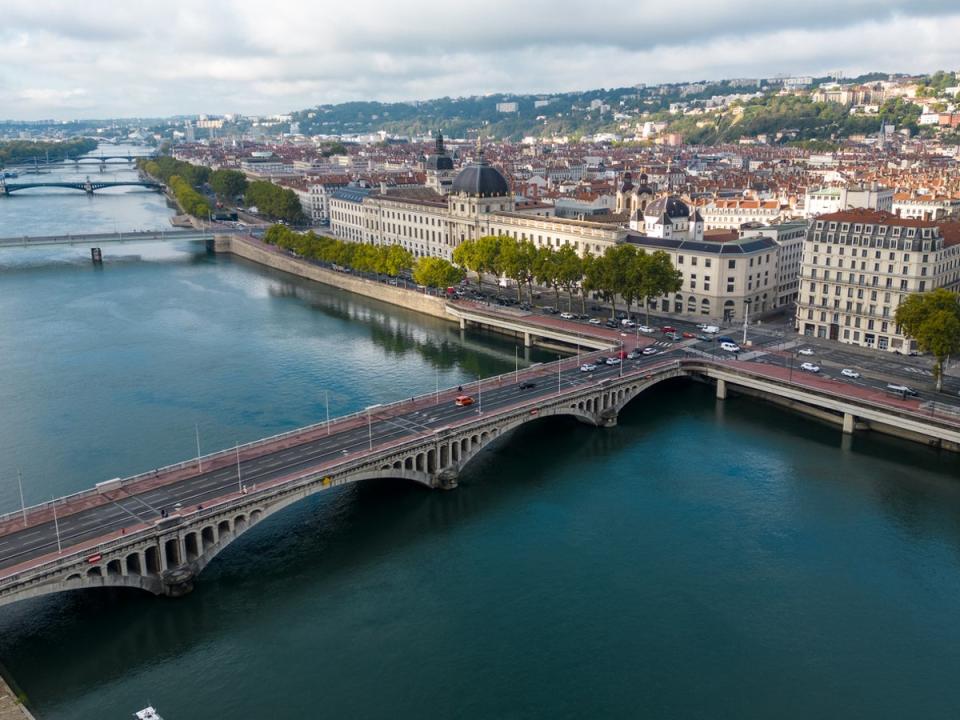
463, 400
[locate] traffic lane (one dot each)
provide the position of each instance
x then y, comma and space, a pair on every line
95, 522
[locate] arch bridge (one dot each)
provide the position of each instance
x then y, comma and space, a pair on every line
88, 186
164, 555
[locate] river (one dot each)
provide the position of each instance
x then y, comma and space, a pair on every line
702, 559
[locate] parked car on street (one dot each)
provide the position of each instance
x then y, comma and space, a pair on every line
847, 372
810, 367
805, 351
730, 347
568, 316
596, 321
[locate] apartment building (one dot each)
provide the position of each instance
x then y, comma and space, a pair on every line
834, 199
859, 265
789, 238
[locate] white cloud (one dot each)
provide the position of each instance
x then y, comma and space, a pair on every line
245, 56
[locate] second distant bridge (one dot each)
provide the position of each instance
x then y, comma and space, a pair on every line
88, 186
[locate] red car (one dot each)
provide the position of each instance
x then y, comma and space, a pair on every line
688, 334
463, 400
668, 329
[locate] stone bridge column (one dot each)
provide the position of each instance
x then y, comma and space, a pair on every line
721, 389
848, 423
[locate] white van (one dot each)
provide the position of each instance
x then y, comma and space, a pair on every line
710, 329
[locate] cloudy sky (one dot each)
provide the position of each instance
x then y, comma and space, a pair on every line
111, 58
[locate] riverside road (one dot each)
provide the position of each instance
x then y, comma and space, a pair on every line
19, 546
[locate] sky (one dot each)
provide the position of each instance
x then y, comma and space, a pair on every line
129, 58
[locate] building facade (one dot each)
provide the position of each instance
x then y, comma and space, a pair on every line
834, 199
859, 265
789, 238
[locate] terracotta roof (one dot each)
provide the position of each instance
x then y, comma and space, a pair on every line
950, 232
875, 217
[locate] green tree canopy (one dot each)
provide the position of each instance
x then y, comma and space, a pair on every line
228, 184
933, 320
436, 272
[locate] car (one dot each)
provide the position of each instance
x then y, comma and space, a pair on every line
463, 401
633, 354
805, 351
527, 385
674, 336
650, 350
613, 361
810, 367
668, 329
688, 334
588, 367
725, 339
705, 338
847, 372
627, 323
646, 329
902, 390
710, 329
596, 321
612, 324
549, 310
730, 347
568, 316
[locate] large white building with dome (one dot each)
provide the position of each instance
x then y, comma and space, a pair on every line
724, 277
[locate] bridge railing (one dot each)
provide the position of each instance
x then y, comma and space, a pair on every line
344, 465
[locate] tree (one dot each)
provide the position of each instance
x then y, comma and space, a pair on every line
545, 269
516, 260
465, 255
436, 272
397, 260
586, 279
228, 184
569, 270
933, 320
660, 278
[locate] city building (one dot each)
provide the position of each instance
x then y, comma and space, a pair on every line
834, 199
859, 265
789, 238
731, 214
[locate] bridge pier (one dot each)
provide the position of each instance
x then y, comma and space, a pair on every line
849, 421
527, 340
721, 389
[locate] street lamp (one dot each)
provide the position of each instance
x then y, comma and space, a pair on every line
370, 423
746, 318
559, 365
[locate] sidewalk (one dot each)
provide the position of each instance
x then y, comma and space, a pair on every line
10, 707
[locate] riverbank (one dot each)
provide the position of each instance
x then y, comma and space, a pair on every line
259, 252
11, 708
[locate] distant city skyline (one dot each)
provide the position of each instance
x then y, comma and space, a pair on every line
67, 60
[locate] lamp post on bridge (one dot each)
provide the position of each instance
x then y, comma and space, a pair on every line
23, 507
56, 524
370, 423
239, 479
196, 427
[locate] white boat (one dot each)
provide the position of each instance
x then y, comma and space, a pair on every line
148, 713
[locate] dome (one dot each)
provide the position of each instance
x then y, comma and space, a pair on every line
481, 179
439, 162
627, 182
673, 206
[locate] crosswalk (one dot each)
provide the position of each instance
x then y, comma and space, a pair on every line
917, 371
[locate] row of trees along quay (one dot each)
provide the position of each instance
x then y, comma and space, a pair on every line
622, 271
933, 320
230, 187
392, 260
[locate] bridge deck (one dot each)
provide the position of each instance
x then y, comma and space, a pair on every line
90, 519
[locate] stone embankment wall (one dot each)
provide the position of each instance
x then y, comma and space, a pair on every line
258, 252
10, 707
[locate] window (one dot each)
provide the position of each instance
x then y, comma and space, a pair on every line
731, 264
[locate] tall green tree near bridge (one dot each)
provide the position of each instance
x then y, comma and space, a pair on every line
228, 184
436, 272
933, 320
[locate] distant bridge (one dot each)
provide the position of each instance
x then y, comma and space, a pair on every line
88, 186
85, 160
97, 239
